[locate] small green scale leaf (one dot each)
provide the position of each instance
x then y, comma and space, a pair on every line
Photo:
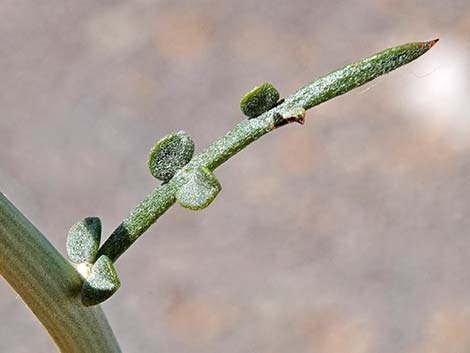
170, 154
102, 283
259, 100
200, 190
83, 240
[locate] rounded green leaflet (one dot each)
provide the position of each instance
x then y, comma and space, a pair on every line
83, 240
200, 190
259, 100
170, 154
102, 282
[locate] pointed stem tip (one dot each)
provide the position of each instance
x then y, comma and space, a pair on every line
431, 43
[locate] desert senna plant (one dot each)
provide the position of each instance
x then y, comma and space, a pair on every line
64, 294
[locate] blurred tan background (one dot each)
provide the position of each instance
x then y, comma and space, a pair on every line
346, 235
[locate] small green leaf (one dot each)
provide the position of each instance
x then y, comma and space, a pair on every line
83, 240
259, 100
170, 154
200, 190
102, 283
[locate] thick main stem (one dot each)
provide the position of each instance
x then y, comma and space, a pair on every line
50, 286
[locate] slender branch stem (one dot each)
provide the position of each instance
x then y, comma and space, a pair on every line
139, 220
50, 286
247, 131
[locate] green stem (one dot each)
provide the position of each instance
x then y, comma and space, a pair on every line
247, 131
50, 286
139, 220
354, 75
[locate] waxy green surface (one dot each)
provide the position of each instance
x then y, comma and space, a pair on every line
50, 286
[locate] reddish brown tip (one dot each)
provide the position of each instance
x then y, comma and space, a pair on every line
431, 43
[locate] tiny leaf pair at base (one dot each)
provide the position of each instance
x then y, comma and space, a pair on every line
82, 245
